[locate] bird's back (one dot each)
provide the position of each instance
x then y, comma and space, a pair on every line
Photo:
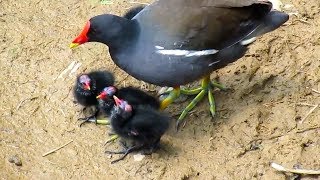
137, 97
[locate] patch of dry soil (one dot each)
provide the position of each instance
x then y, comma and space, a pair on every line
258, 122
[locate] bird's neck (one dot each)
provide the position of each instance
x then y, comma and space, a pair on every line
119, 120
127, 35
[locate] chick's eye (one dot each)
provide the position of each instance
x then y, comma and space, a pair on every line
122, 106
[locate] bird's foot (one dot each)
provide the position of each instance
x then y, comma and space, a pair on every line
172, 95
124, 152
93, 119
207, 87
151, 149
90, 119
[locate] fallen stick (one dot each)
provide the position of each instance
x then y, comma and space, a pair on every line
295, 171
316, 91
56, 149
307, 115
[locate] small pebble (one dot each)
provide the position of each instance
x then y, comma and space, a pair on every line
16, 160
138, 157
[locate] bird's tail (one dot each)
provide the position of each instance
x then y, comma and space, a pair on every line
273, 20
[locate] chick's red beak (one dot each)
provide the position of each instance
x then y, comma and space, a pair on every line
82, 38
101, 95
117, 100
86, 86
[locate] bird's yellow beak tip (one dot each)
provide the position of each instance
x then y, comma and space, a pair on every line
73, 45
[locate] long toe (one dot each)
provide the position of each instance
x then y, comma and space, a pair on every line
190, 106
90, 119
116, 152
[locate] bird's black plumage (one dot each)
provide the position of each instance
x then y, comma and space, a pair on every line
143, 125
132, 12
106, 101
96, 80
136, 97
171, 43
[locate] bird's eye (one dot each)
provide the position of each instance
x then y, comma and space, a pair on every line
93, 30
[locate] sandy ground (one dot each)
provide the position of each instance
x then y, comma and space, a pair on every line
258, 121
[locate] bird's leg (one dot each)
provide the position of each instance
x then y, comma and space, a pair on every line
152, 148
174, 94
102, 121
211, 103
206, 87
111, 139
92, 118
124, 152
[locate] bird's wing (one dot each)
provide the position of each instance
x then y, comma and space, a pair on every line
202, 24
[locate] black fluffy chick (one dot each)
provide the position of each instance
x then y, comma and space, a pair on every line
143, 125
88, 86
106, 101
136, 97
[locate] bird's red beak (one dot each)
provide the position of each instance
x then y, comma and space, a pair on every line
101, 95
117, 100
82, 38
86, 86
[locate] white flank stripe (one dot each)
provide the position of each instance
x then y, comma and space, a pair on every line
213, 63
248, 41
159, 47
187, 53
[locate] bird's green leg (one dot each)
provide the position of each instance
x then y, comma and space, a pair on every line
203, 90
206, 88
174, 94
211, 103
217, 85
191, 91
113, 138
103, 121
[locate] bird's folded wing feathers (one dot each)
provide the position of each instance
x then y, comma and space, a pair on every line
203, 24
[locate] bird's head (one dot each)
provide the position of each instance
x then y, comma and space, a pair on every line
123, 106
102, 28
85, 82
107, 92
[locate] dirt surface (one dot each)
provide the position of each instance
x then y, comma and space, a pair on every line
258, 120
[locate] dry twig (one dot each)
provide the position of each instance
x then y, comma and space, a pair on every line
307, 115
56, 149
295, 171
316, 91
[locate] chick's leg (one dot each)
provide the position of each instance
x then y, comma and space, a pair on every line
124, 152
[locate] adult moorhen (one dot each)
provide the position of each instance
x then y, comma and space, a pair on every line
175, 42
